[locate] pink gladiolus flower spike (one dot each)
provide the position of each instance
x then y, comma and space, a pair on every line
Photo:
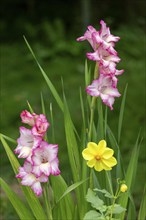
29, 179
26, 143
105, 88
28, 118
41, 126
44, 159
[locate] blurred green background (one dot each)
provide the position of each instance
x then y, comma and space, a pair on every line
51, 27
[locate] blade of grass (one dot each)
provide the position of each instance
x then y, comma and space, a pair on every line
87, 80
100, 131
63, 210
142, 210
22, 211
121, 113
30, 108
83, 145
131, 209
105, 122
130, 175
32, 200
43, 105
87, 74
52, 123
71, 188
73, 153
8, 138
44, 112
72, 145
48, 81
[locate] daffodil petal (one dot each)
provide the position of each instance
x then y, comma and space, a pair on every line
107, 153
101, 147
92, 147
98, 166
105, 167
91, 163
110, 162
87, 154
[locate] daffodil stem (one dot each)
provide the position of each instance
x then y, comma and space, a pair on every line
47, 202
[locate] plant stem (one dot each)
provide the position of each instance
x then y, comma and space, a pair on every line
109, 182
91, 117
92, 107
114, 200
96, 71
47, 202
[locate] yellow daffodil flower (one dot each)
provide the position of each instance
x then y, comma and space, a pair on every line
99, 156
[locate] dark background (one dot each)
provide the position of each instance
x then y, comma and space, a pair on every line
74, 14
51, 27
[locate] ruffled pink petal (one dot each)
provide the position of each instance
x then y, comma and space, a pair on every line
96, 38
28, 118
21, 173
27, 167
45, 168
24, 152
36, 187
107, 100
41, 126
54, 167
112, 38
119, 72
93, 56
111, 92
36, 170
43, 178
81, 38
93, 89
28, 179
104, 30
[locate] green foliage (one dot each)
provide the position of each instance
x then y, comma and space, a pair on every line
68, 202
103, 211
22, 211
142, 210
92, 215
32, 200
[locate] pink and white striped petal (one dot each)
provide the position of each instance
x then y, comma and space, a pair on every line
36, 187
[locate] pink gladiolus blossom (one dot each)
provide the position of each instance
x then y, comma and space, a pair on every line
41, 157
104, 57
44, 159
102, 37
41, 126
26, 142
28, 118
29, 179
89, 37
105, 88
111, 71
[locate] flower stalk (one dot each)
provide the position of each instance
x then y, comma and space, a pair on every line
92, 109
47, 202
